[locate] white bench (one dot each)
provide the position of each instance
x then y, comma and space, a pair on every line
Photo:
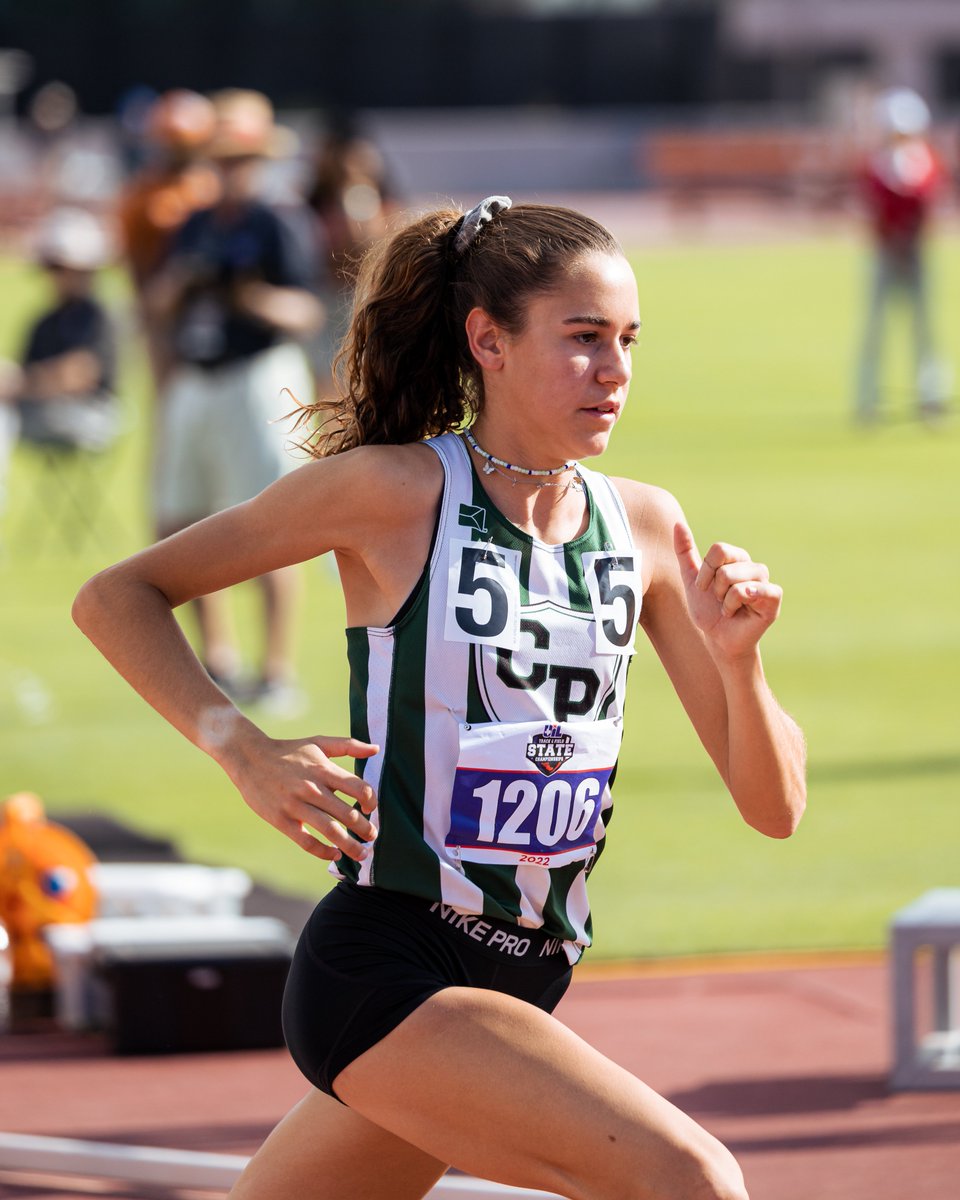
188, 1168
926, 1054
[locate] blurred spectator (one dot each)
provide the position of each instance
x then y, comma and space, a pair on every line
11, 383
353, 198
52, 112
898, 183
74, 163
66, 392
237, 291
51, 123
175, 182
133, 110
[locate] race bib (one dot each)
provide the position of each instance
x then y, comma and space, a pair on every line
613, 582
530, 792
483, 595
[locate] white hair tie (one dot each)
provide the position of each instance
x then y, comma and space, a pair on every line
474, 221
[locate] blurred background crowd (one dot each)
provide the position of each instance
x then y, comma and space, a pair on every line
239, 291
235, 189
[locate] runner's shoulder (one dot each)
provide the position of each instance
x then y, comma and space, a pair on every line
651, 509
396, 478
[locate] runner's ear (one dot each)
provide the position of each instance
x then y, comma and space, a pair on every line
485, 339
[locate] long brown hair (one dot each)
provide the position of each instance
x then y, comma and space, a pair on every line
405, 371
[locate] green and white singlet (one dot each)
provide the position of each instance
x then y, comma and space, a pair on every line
497, 701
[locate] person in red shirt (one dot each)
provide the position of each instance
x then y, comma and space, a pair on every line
898, 184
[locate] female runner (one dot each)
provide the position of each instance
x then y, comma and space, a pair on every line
493, 586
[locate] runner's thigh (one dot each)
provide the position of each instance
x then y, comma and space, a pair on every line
502, 1090
324, 1151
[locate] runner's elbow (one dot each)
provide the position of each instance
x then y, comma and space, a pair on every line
87, 603
104, 601
781, 823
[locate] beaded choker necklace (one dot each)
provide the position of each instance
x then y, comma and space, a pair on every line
491, 463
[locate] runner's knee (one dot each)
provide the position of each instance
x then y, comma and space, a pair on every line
712, 1173
699, 1170
703, 1170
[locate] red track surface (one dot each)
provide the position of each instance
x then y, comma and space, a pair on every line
787, 1063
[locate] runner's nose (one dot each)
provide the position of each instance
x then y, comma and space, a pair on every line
616, 366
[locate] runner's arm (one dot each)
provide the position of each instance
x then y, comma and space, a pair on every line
704, 618
127, 611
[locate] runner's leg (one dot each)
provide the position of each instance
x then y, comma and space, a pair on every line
324, 1151
502, 1090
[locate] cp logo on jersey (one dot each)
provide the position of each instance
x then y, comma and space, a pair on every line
550, 637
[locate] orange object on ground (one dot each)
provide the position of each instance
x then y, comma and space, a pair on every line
44, 880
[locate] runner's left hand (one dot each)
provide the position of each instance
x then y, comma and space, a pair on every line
730, 597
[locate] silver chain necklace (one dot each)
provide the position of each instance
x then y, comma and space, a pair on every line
492, 465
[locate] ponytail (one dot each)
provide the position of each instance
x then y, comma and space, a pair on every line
404, 371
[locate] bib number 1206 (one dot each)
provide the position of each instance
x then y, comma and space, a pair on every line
521, 817
507, 811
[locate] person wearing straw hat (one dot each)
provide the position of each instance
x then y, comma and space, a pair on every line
236, 294
174, 182
495, 588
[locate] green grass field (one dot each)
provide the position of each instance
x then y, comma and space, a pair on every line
740, 405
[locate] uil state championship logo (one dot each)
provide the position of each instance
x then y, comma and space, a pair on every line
548, 751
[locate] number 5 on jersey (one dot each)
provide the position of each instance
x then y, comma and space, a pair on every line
483, 595
613, 582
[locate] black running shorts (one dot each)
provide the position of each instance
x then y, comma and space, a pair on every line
368, 957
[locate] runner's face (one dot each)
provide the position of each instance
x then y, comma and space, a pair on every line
565, 378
